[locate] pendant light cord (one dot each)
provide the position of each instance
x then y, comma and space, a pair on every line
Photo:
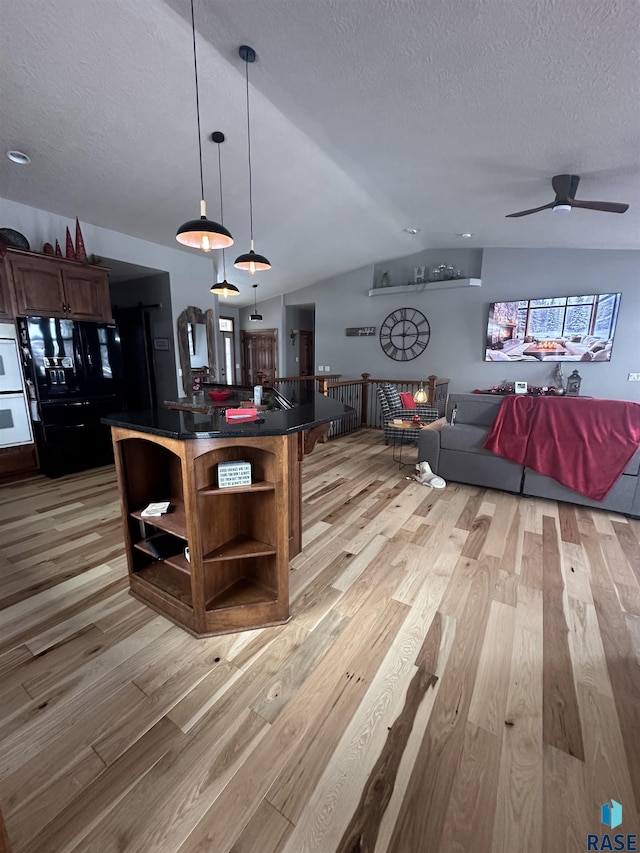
246, 69
195, 70
224, 264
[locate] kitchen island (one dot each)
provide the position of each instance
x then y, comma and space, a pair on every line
218, 559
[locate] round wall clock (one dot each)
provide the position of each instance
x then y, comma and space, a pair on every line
405, 333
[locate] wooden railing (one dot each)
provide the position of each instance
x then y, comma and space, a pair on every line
361, 395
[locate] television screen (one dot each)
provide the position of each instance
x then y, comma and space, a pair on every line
558, 328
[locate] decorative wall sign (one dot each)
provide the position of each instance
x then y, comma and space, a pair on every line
361, 332
161, 343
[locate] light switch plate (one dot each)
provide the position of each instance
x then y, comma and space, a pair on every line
634, 377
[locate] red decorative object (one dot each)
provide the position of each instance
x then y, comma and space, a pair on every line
406, 397
218, 396
81, 254
58, 250
416, 419
70, 252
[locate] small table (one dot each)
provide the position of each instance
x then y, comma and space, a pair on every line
401, 435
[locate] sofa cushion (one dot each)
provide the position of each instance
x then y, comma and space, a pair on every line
464, 437
633, 467
474, 409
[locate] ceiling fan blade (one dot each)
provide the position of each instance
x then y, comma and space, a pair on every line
565, 186
533, 210
606, 206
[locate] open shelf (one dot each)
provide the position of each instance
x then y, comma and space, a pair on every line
242, 593
238, 535
174, 521
261, 486
169, 579
177, 561
238, 548
451, 284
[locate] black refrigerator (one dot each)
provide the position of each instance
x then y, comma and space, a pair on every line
74, 370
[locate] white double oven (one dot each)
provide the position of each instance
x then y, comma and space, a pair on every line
15, 423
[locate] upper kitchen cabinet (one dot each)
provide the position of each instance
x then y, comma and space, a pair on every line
52, 287
6, 309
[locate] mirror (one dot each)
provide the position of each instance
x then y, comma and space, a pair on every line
196, 347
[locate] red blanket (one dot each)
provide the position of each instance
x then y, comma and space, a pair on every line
583, 443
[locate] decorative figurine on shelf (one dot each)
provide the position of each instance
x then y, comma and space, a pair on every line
384, 280
81, 253
418, 275
70, 252
573, 384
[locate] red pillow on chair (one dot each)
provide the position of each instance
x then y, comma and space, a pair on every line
407, 400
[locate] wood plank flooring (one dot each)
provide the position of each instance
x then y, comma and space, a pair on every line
461, 673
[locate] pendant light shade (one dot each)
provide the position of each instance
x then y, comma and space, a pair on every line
251, 260
255, 317
202, 233
222, 288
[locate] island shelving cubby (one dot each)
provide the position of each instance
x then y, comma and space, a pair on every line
238, 538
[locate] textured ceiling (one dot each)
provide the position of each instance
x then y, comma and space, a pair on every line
368, 116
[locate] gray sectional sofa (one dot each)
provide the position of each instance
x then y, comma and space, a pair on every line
455, 452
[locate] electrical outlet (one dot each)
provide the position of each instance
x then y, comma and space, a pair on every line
633, 377
320, 369
327, 369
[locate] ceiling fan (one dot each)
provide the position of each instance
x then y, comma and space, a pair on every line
565, 187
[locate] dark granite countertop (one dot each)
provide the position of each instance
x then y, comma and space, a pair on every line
172, 423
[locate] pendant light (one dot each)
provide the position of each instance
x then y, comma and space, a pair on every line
250, 261
222, 288
255, 316
202, 233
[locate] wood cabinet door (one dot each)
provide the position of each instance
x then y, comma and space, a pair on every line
6, 310
259, 355
87, 294
38, 287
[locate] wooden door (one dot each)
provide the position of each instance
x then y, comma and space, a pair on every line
38, 286
306, 353
259, 355
87, 294
6, 310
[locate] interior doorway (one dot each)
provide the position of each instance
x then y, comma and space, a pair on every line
307, 359
139, 380
259, 355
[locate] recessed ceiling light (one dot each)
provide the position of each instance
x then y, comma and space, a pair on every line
18, 157
466, 235
411, 230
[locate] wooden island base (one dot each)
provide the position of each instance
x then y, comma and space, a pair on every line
240, 539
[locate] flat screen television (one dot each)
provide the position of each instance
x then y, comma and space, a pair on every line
557, 328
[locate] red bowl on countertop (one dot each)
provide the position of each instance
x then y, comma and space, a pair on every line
219, 396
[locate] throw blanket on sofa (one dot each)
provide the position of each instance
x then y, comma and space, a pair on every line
583, 443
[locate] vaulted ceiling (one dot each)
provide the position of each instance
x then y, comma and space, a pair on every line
368, 117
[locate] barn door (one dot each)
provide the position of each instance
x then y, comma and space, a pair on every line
259, 355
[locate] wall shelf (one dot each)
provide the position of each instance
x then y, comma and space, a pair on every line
454, 283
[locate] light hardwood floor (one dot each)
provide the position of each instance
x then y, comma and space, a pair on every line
460, 673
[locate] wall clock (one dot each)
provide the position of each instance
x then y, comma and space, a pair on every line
405, 333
